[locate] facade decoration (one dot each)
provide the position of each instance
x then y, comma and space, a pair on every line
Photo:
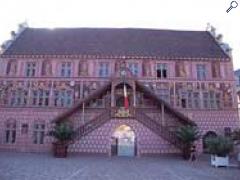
85, 75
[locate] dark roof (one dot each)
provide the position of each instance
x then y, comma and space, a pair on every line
116, 42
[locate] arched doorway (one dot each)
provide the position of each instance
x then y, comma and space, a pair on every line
209, 134
123, 142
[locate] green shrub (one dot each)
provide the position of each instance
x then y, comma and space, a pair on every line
188, 134
220, 145
62, 132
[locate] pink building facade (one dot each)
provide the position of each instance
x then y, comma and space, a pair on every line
173, 78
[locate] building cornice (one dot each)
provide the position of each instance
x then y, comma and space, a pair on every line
90, 57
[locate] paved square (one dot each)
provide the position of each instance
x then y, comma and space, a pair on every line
24, 166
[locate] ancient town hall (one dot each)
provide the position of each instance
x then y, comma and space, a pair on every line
127, 89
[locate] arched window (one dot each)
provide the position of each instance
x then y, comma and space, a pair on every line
11, 67
10, 131
46, 68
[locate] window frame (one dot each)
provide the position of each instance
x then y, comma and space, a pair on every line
103, 70
30, 69
162, 70
201, 70
66, 69
39, 133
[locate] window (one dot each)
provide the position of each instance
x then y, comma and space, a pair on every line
10, 132
40, 97
201, 72
190, 99
11, 67
18, 97
162, 70
66, 69
46, 68
211, 100
184, 100
38, 133
103, 69
133, 68
30, 69
63, 98
196, 100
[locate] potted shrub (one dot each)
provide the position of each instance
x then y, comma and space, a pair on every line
236, 139
219, 147
187, 135
63, 134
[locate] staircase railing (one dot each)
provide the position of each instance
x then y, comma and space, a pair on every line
159, 129
151, 94
100, 91
91, 125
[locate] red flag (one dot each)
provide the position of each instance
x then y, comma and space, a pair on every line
126, 103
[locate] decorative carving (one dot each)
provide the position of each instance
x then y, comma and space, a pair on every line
122, 112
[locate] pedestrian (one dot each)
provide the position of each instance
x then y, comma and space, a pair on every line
192, 153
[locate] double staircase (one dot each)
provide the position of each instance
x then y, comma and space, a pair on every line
157, 127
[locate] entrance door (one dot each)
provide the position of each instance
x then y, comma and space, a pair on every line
126, 147
125, 141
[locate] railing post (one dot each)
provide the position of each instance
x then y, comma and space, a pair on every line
163, 114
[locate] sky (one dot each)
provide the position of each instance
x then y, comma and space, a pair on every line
157, 14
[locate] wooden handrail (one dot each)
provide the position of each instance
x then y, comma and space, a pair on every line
91, 125
156, 127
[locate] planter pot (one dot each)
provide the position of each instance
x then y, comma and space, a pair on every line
219, 161
60, 150
186, 152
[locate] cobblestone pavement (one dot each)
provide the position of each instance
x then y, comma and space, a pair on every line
26, 166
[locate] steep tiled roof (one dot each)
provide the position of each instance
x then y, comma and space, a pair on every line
116, 42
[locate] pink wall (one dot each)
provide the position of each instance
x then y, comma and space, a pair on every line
99, 140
